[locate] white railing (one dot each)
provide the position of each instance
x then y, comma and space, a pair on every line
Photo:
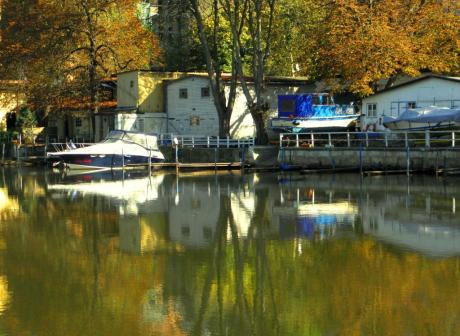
395, 139
205, 141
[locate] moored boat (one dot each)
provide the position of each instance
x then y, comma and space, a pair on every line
312, 113
119, 149
425, 118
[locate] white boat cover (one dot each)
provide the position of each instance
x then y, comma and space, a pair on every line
429, 115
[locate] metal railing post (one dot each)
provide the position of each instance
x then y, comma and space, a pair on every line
329, 138
386, 139
218, 142
427, 139
193, 141
312, 139
207, 141
228, 142
297, 140
453, 139
367, 139
348, 140
281, 140
406, 139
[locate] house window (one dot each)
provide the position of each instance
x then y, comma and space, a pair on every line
78, 122
131, 84
411, 105
194, 121
372, 110
183, 93
204, 92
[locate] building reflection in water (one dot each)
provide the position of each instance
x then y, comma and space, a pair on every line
248, 254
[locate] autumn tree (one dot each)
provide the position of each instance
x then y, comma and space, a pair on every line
362, 42
64, 48
249, 25
209, 23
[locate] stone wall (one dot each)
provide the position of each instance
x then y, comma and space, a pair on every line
381, 159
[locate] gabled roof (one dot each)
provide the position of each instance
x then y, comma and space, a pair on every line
418, 79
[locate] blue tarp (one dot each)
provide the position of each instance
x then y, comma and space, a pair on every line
301, 106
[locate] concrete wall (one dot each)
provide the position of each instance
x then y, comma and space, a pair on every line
371, 158
427, 92
143, 90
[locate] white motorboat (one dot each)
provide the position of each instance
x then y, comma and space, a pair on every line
119, 149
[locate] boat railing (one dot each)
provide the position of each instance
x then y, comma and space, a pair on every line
394, 139
63, 146
204, 141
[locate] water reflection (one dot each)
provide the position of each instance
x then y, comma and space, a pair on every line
130, 254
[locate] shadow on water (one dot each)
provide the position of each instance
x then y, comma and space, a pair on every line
227, 254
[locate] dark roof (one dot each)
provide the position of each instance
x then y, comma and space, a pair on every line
419, 79
269, 80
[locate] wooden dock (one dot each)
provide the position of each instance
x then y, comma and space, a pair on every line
199, 165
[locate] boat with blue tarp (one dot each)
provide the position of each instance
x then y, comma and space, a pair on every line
313, 112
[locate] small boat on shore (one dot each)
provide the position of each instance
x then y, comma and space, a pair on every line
425, 118
312, 113
119, 149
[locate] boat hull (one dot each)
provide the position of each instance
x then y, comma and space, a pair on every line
92, 161
327, 124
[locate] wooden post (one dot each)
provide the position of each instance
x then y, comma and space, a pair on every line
122, 159
427, 139
150, 160
407, 160
3, 152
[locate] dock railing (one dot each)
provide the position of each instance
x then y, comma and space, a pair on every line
205, 141
393, 139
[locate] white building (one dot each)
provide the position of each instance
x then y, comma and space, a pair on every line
428, 90
190, 106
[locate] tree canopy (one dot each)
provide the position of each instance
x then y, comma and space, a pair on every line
63, 48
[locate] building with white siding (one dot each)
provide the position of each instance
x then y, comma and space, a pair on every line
190, 106
427, 90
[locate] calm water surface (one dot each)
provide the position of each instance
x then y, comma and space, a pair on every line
228, 254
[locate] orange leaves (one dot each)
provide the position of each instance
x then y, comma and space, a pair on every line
361, 43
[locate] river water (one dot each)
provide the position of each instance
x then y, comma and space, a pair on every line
228, 254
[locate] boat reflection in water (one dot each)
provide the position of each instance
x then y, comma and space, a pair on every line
303, 214
130, 188
134, 194
422, 223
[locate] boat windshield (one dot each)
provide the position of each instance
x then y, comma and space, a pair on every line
148, 141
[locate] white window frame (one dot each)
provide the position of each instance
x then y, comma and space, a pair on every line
373, 110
